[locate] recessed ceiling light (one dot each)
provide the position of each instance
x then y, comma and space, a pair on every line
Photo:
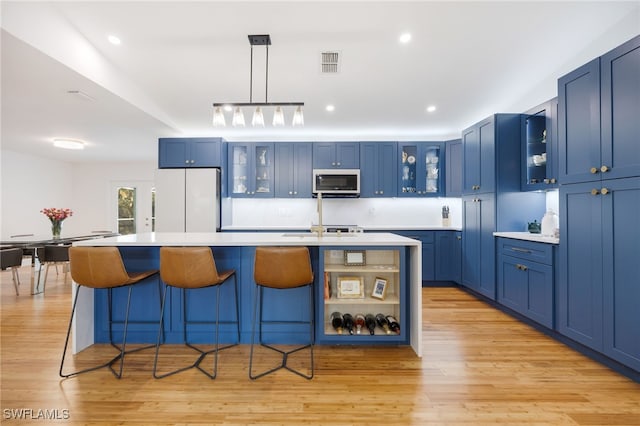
68, 143
114, 40
431, 108
330, 108
405, 38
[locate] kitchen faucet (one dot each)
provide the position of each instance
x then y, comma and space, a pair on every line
319, 229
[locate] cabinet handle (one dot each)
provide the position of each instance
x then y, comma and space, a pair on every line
333, 164
594, 170
604, 191
594, 191
375, 192
604, 169
521, 267
186, 161
381, 192
290, 192
458, 237
295, 192
553, 180
547, 181
339, 164
520, 250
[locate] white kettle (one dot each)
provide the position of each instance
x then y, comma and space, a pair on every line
550, 223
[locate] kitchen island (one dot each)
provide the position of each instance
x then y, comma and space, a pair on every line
390, 258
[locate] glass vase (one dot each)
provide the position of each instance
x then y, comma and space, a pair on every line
56, 228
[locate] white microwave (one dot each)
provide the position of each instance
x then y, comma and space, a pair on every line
336, 182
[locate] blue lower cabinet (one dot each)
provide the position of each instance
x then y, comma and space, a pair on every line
524, 285
447, 256
377, 286
478, 246
428, 239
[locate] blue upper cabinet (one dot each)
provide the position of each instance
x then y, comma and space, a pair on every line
539, 147
454, 168
293, 169
478, 157
251, 170
181, 153
336, 155
379, 170
421, 169
620, 110
598, 110
579, 124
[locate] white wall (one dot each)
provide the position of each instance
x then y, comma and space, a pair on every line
30, 183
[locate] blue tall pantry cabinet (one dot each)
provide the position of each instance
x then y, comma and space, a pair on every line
599, 152
492, 200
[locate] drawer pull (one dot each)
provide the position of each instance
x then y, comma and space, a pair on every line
521, 267
519, 250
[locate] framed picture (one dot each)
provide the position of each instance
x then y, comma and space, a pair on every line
354, 258
350, 288
379, 288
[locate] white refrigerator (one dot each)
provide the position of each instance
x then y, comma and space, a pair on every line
187, 200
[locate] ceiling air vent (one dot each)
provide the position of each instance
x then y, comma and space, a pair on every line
330, 63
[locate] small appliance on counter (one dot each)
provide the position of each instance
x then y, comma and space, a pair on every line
445, 216
550, 223
534, 227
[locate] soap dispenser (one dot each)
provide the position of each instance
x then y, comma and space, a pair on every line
549, 223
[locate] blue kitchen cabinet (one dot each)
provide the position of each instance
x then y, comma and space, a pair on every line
428, 251
526, 279
336, 155
251, 170
539, 147
599, 106
293, 169
189, 152
453, 166
478, 153
448, 256
421, 169
599, 293
478, 251
379, 169
620, 110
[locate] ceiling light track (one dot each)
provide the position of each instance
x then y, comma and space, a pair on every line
258, 117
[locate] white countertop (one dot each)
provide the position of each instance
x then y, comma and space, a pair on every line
249, 239
366, 228
527, 236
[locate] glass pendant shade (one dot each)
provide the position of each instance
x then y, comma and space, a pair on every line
298, 118
278, 117
238, 118
258, 118
218, 118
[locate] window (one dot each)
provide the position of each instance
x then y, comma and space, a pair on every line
126, 210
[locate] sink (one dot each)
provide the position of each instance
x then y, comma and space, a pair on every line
313, 234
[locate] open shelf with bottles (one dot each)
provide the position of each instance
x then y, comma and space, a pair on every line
376, 286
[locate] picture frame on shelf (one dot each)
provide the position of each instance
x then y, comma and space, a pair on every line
379, 288
350, 288
355, 258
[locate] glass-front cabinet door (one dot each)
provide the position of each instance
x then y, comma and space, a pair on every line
539, 160
251, 170
421, 169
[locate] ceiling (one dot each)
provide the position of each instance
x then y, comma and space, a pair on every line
469, 59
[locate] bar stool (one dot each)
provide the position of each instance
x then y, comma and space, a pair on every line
281, 268
102, 268
190, 268
12, 258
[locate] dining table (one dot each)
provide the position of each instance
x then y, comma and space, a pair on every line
30, 243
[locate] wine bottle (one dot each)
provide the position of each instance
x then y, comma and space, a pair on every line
359, 323
383, 323
393, 324
347, 322
370, 321
336, 321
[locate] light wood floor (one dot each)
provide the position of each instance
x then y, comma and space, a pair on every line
480, 367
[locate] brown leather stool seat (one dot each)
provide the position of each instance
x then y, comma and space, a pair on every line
12, 259
281, 268
191, 268
102, 268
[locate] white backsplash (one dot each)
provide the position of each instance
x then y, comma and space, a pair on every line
366, 212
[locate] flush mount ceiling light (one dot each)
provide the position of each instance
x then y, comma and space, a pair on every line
405, 38
431, 108
68, 143
114, 40
258, 107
